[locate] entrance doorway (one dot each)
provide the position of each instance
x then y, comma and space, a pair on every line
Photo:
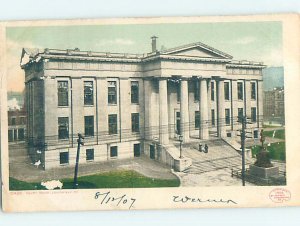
152, 152
177, 122
137, 150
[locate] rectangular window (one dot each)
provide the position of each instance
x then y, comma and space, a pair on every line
255, 134
112, 92
113, 151
22, 120
196, 91
112, 124
240, 90
253, 114
197, 119
134, 92
21, 134
64, 158
135, 122
88, 93
240, 114
178, 91
253, 91
63, 128
226, 90
10, 135
89, 153
227, 116
213, 119
89, 126
15, 134
63, 93
13, 121
212, 91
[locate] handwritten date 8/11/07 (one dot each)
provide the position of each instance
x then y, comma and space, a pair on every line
107, 198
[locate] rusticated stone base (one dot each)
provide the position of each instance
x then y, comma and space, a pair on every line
264, 172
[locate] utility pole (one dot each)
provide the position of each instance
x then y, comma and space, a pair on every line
79, 142
243, 137
243, 120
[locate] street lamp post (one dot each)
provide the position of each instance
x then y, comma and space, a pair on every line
80, 142
180, 142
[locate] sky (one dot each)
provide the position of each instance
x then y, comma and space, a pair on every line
255, 41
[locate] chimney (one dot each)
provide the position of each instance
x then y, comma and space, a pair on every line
154, 43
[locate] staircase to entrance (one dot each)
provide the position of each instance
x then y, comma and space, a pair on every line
220, 156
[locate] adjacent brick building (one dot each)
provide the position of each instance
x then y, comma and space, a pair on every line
274, 105
16, 125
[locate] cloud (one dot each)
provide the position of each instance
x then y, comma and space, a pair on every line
13, 104
273, 58
117, 41
15, 75
245, 40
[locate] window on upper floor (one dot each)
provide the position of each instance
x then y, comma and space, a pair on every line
178, 89
134, 92
112, 92
197, 119
135, 122
63, 127
112, 124
253, 90
22, 120
240, 114
253, 114
227, 116
226, 91
13, 121
213, 119
63, 93
212, 91
196, 91
88, 93
89, 125
240, 90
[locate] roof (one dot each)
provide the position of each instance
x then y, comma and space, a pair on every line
191, 52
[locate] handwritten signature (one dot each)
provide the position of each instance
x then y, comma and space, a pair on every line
186, 199
106, 198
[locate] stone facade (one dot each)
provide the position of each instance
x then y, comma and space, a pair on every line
192, 90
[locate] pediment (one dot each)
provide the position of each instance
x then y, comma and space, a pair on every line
197, 50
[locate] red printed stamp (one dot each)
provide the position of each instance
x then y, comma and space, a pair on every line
280, 195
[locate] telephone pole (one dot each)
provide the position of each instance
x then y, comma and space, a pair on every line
243, 137
79, 142
243, 120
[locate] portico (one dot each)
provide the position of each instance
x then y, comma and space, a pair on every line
193, 90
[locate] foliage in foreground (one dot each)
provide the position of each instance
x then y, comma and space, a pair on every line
114, 179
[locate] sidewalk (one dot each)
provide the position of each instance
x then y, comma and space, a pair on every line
21, 168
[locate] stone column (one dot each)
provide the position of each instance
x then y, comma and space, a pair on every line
221, 110
259, 99
247, 98
204, 134
147, 97
184, 110
163, 112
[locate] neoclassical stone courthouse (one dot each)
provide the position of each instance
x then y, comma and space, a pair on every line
127, 105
